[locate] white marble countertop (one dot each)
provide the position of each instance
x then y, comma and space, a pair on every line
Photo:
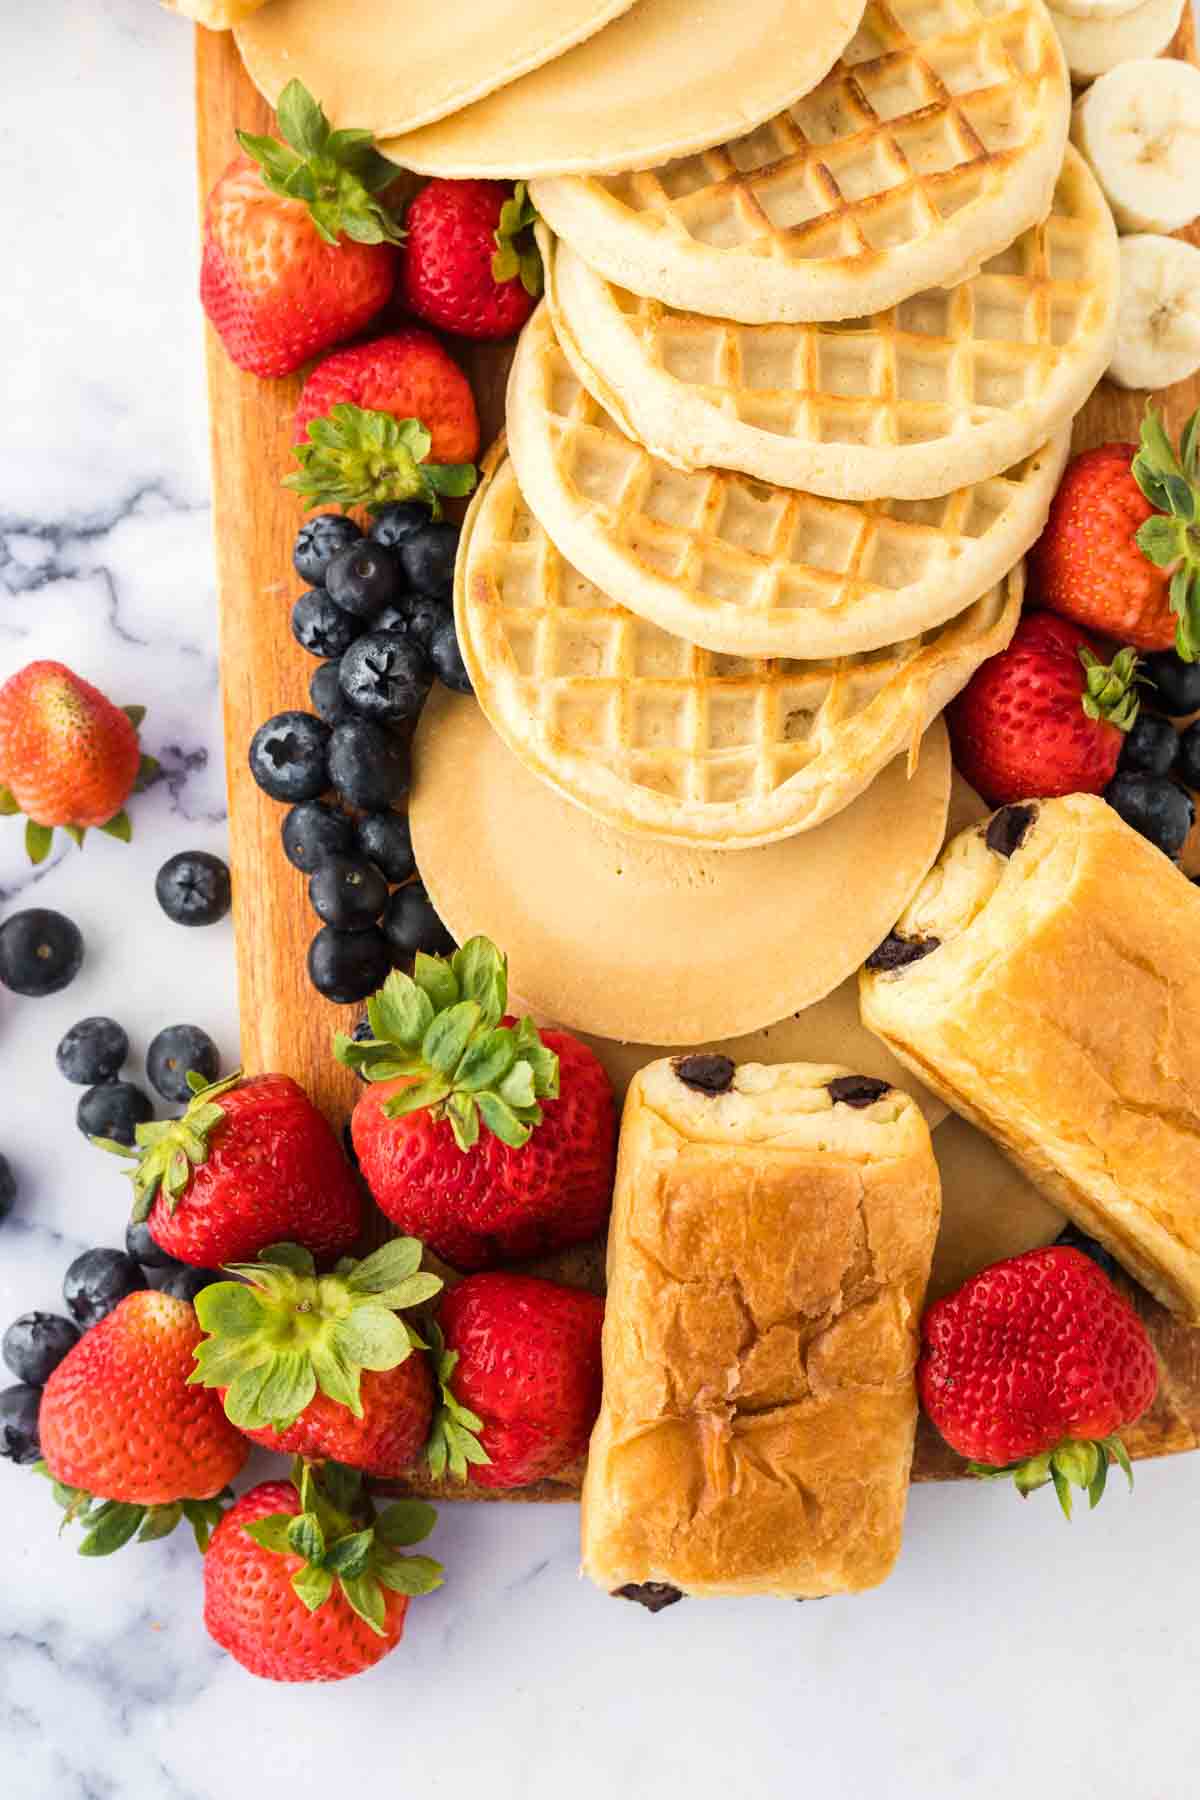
1009, 1652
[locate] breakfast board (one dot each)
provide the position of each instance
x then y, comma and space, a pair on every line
285, 1026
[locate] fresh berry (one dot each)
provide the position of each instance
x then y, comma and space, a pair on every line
313, 832
36, 1343
385, 677
522, 1358
121, 1420
1160, 810
19, 1407
183, 1282
317, 543
411, 926
397, 521
193, 888
177, 1052
426, 617
325, 693
281, 277
508, 1156
288, 756
41, 952
320, 1366
469, 264
407, 374
8, 1187
427, 558
1151, 746
369, 459
368, 768
1033, 1367
113, 1110
1174, 685
68, 756
446, 657
250, 1163
1043, 718
96, 1282
385, 839
142, 1248
347, 893
301, 1583
322, 628
1188, 769
364, 579
1079, 1240
345, 966
93, 1050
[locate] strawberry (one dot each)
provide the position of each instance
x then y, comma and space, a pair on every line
519, 1371
1032, 1368
299, 248
406, 374
1045, 717
250, 1163
470, 264
129, 1445
320, 1366
302, 1583
371, 459
479, 1135
68, 756
1120, 553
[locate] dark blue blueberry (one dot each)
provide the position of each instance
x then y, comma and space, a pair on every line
1158, 809
318, 541
1175, 683
19, 1440
97, 1281
346, 966
113, 1109
93, 1050
394, 523
8, 1187
176, 1052
447, 661
1151, 746
193, 888
142, 1248
184, 1282
41, 952
1079, 1240
385, 839
322, 628
288, 756
425, 619
364, 579
315, 831
410, 924
325, 692
385, 677
36, 1343
348, 893
367, 767
1188, 769
427, 558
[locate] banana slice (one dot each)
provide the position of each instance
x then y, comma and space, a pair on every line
1139, 127
1094, 46
1092, 9
1158, 324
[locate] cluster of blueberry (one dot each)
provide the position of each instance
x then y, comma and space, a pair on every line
1157, 758
94, 1051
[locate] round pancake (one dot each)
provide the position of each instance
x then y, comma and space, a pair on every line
628, 938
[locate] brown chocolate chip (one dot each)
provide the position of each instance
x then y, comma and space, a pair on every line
707, 1074
857, 1090
653, 1595
1008, 829
898, 952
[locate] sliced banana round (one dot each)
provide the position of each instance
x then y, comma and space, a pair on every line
1092, 9
1158, 325
1093, 46
1139, 128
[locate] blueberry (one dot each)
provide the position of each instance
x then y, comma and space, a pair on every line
193, 888
19, 1440
364, 579
385, 839
141, 1246
113, 1110
399, 521
322, 628
325, 692
1176, 683
35, 1344
184, 1282
426, 618
427, 559
1079, 1240
393, 618
8, 1187
367, 767
315, 831
385, 677
93, 1050
287, 756
410, 924
1188, 770
348, 965
176, 1052
348, 893
447, 661
97, 1281
41, 952
1157, 808
1151, 746
318, 541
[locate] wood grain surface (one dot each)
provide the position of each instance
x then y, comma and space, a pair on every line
285, 1025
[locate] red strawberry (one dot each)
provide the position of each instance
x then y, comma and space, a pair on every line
68, 756
1031, 1369
250, 1163
520, 1377
299, 252
407, 374
1117, 554
119, 1421
482, 1137
1043, 718
320, 1366
470, 264
302, 1584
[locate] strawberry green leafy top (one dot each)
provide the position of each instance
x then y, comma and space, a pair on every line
336, 174
357, 457
1169, 482
516, 252
1110, 689
165, 1151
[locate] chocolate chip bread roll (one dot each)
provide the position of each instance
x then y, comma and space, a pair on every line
1046, 982
771, 1238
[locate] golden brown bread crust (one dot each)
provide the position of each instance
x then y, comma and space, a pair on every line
768, 1256
1061, 1013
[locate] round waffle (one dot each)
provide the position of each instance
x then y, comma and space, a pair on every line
953, 386
652, 734
625, 937
749, 570
934, 142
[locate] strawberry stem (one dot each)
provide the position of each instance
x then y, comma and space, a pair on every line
516, 252
1171, 539
1075, 1463
1110, 689
357, 457
335, 174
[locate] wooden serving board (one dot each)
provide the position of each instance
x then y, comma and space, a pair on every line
285, 1025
